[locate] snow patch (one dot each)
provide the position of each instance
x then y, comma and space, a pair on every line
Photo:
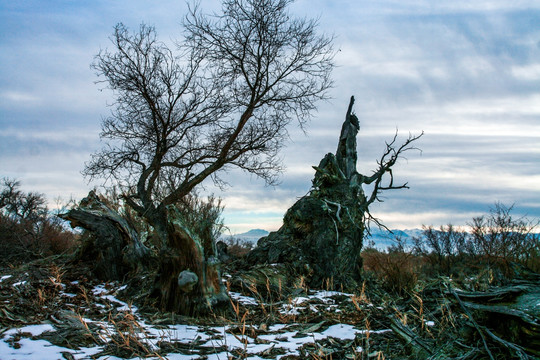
242, 299
35, 330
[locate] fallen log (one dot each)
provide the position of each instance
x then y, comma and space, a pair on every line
505, 294
507, 315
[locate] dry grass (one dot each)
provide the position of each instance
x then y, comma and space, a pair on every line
398, 271
423, 307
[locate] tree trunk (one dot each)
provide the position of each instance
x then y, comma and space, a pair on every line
110, 244
188, 280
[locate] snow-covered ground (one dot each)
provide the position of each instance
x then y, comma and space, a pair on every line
198, 342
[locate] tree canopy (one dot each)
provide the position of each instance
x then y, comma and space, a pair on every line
222, 99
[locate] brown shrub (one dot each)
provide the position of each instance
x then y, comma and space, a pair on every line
396, 269
238, 248
27, 230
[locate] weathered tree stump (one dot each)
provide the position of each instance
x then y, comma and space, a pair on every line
322, 233
110, 244
183, 266
321, 236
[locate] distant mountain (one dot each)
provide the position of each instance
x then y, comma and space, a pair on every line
382, 238
252, 235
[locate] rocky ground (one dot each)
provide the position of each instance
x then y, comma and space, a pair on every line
51, 310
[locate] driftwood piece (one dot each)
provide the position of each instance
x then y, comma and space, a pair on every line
516, 349
523, 317
474, 323
504, 294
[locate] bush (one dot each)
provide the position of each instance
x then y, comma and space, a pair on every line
500, 239
238, 248
498, 246
495, 241
444, 249
396, 268
27, 230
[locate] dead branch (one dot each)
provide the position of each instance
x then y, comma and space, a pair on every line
388, 159
420, 348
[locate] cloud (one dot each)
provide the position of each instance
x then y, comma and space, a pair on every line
405, 220
464, 72
66, 136
530, 72
18, 97
53, 174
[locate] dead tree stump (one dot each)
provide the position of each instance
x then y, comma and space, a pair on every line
321, 236
109, 243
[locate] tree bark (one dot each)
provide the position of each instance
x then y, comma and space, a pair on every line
110, 243
193, 256
322, 233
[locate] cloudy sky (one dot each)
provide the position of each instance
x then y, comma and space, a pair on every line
467, 73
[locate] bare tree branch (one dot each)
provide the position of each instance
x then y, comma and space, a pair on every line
224, 99
388, 159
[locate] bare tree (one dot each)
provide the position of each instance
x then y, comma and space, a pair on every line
501, 238
21, 206
496, 239
27, 230
223, 100
445, 247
